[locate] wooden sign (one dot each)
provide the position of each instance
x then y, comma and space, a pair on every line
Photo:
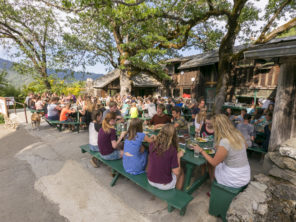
3, 106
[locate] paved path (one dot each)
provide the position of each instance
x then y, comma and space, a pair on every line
45, 177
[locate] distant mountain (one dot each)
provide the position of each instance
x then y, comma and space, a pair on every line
19, 80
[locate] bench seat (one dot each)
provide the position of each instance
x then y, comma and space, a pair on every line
59, 124
174, 198
257, 149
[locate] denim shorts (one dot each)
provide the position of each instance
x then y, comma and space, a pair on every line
169, 186
112, 156
94, 148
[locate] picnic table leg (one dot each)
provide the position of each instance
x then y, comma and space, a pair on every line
170, 208
197, 184
183, 211
115, 178
77, 127
59, 126
189, 169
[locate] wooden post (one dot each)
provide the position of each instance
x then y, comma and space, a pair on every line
283, 121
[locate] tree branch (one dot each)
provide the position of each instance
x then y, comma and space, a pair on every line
268, 25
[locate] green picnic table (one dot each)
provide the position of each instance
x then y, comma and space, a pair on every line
142, 118
191, 163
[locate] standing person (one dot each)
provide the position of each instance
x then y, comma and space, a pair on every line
247, 130
160, 119
179, 121
135, 156
107, 139
94, 128
164, 167
231, 163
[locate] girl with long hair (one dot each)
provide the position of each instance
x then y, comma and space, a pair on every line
231, 163
135, 156
199, 121
107, 139
164, 168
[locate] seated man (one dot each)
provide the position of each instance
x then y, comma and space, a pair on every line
160, 119
113, 109
247, 130
179, 121
240, 118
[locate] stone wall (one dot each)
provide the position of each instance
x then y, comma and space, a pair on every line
270, 196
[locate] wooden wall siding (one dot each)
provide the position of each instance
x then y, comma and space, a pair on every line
254, 78
185, 79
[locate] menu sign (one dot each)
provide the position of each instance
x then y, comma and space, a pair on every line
3, 106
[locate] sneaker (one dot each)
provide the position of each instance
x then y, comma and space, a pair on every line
95, 162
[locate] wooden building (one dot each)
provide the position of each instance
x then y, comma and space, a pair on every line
251, 79
109, 85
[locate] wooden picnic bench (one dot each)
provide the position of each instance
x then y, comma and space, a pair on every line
175, 198
59, 124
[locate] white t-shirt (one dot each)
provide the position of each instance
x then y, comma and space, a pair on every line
93, 134
151, 109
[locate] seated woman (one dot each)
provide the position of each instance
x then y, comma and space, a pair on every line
164, 168
107, 139
231, 161
53, 109
199, 121
135, 156
207, 128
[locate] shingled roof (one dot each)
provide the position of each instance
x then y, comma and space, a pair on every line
141, 80
282, 47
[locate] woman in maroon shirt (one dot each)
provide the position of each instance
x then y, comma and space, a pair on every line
164, 169
107, 139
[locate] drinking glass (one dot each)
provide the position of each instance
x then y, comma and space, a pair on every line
196, 153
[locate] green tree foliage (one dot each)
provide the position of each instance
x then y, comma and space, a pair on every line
58, 86
33, 29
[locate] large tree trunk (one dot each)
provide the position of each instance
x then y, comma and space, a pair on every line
224, 70
284, 119
125, 83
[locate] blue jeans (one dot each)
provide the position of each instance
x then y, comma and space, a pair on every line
94, 148
112, 156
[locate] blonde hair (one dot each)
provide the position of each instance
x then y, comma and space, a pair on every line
89, 106
224, 129
105, 125
201, 116
165, 138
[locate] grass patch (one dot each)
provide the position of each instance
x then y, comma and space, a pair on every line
1, 119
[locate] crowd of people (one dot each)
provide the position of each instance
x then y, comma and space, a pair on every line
172, 117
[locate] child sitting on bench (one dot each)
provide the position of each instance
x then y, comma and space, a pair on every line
107, 139
94, 128
135, 156
164, 169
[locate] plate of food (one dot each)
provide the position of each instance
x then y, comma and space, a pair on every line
201, 140
209, 150
191, 144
